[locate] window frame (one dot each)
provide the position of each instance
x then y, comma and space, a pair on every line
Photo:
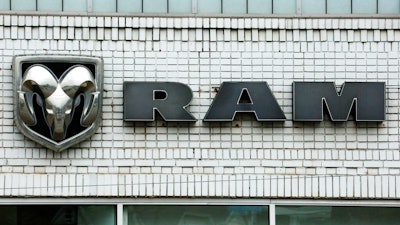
119, 203
194, 10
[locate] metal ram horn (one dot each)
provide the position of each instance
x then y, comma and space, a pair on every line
58, 97
78, 80
37, 80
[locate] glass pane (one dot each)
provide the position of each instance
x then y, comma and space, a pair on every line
23, 5
57, 215
98, 215
196, 215
234, 6
260, 6
104, 5
75, 6
339, 7
285, 6
180, 6
389, 6
155, 6
327, 215
209, 6
5, 5
50, 5
8, 215
129, 6
313, 7
364, 6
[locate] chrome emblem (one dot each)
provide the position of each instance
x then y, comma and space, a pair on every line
58, 99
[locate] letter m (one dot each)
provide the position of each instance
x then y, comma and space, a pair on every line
367, 98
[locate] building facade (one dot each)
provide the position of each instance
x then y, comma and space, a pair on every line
242, 171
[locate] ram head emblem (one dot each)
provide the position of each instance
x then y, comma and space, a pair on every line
58, 98
46, 100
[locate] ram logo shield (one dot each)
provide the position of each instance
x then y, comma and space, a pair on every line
58, 99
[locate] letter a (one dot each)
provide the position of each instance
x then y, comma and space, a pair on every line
253, 97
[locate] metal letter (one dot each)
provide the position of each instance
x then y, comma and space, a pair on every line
309, 99
227, 102
142, 99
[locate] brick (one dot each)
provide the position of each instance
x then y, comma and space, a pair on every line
325, 160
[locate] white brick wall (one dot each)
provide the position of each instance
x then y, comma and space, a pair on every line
243, 158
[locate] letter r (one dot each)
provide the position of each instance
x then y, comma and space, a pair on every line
169, 99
